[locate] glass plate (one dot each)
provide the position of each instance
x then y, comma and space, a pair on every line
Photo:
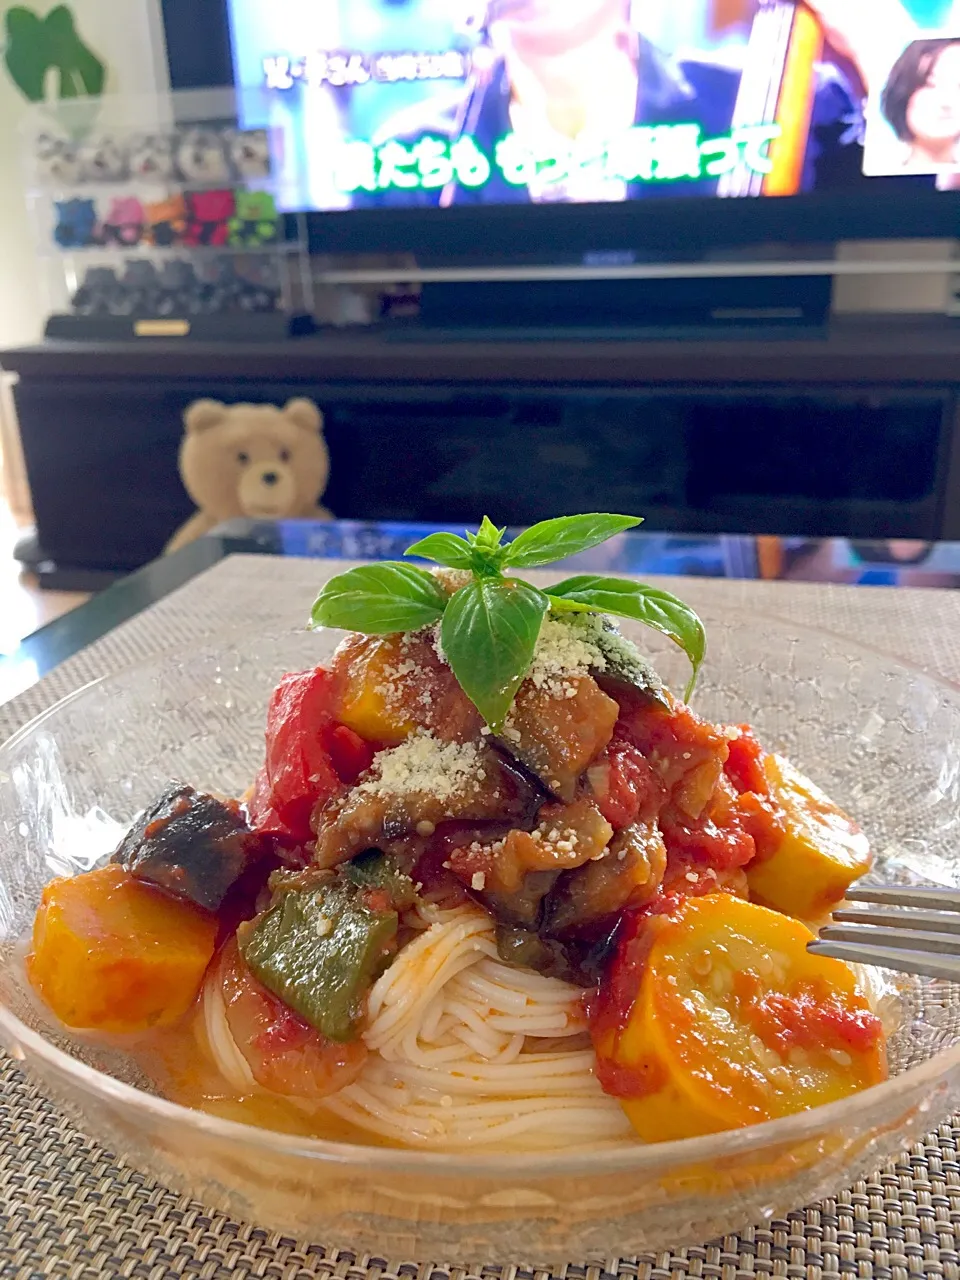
883, 739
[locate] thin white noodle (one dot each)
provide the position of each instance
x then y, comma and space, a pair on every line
466, 1051
233, 1065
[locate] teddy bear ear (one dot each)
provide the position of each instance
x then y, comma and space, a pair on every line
304, 413
203, 414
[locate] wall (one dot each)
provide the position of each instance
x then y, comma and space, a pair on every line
128, 36
877, 292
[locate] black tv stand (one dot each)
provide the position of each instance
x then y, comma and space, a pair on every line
633, 309
853, 432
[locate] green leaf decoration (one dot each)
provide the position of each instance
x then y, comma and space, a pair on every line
379, 599
444, 548
488, 537
553, 540
490, 627
33, 45
650, 605
487, 553
489, 634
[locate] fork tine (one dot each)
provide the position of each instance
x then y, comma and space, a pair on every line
919, 962
895, 896
938, 921
901, 939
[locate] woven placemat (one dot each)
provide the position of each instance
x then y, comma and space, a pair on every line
69, 1208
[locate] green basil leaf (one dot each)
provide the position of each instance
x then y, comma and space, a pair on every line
559, 605
488, 634
649, 605
553, 540
488, 537
486, 553
379, 599
444, 548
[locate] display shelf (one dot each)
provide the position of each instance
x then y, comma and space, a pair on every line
158, 215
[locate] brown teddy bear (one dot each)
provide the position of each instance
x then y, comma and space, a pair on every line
252, 460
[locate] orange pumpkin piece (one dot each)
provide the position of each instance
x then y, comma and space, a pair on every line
113, 954
387, 687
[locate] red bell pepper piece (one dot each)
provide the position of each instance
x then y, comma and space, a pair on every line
351, 754
298, 772
744, 765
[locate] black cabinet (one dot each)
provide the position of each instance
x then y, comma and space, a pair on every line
591, 427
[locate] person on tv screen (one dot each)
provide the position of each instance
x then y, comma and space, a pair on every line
921, 103
552, 72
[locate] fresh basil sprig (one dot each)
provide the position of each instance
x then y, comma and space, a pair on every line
543, 543
489, 626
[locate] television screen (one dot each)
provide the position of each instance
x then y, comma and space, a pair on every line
380, 104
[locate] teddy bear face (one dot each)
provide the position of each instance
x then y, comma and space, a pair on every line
249, 152
252, 460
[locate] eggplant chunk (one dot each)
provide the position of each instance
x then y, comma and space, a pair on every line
558, 733
478, 784
587, 901
512, 876
192, 845
624, 667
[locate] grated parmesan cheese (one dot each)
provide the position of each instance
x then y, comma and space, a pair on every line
566, 648
433, 634
424, 764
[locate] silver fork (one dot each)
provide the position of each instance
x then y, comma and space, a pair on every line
911, 930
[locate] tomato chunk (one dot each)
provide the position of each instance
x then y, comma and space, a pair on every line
309, 757
625, 786
687, 753
349, 753
744, 766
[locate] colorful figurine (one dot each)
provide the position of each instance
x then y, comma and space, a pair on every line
209, 214
124, 223
256, 221
76, 224
166, 221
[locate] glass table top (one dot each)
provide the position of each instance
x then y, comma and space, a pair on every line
896, 563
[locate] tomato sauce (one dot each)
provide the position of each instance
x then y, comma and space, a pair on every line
631, 790
812, 1017
744, 764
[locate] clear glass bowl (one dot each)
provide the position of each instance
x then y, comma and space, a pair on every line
883, 739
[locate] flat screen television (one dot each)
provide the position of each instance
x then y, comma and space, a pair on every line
539, 127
